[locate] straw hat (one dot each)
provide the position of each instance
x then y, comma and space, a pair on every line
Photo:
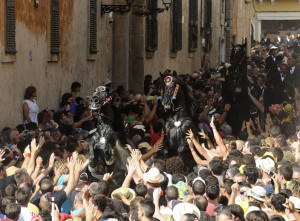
185, 208
273, 48
153, 176
128, 193
251, 209
267, 165
258, 192
296, 202
11, 170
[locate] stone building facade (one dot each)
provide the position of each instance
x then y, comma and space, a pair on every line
33, 52
56, 42
272, 16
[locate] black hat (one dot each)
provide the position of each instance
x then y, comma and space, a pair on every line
288, 34
278, 32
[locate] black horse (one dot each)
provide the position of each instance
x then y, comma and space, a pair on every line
235, 87
177, 106
106, 152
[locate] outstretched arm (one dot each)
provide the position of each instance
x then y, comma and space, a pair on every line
197, 159
218, 138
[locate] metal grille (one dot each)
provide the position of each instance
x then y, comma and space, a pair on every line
152, 27
93, 26
193, 25
55, 26
10, 34
177, 26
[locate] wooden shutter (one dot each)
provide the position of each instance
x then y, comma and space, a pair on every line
10, 32
193, 25
208, 13
93, 26
55, 26
177, 26
152, 28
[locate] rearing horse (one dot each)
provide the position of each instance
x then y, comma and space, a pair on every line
176, 103
106, 153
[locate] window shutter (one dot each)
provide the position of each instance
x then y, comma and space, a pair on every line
55, 26
193, 25
10, 46
177, 26
208, 14
152, 28
93, 26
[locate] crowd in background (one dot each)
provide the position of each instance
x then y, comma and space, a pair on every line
252, 175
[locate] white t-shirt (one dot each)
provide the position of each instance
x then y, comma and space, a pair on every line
26, 214
33, 111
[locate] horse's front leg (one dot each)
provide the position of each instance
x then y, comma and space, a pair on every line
92, 154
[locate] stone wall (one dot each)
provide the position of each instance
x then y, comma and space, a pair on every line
33, 63
141, 62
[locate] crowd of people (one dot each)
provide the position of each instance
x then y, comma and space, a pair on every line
252, 175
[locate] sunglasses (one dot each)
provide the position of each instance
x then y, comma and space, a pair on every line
242, 192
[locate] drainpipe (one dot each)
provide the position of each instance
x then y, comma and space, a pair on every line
127, 51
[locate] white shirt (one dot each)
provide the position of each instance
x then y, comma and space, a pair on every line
26, 214
33, 111
292, 70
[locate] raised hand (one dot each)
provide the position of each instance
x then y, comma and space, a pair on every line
2, 152
33, 146
227, 107
203, 135
157, 146
70, 163
41, 141
128, 147
60, 171
190, 134
39, 161
78, 165
131, 168
51, 161
90, 212
212, 123
156, 194
235, 187
107, 176
75, 155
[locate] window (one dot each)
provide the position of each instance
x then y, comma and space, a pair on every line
177, 26
152, 28
208, 26
55, 26
93, 26
193, 25
10, 44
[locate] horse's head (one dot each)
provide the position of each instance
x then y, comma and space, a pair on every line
101, 96
106, 142
169, 90
238, 54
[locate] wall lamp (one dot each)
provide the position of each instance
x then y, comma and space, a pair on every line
116, 7
166, 3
